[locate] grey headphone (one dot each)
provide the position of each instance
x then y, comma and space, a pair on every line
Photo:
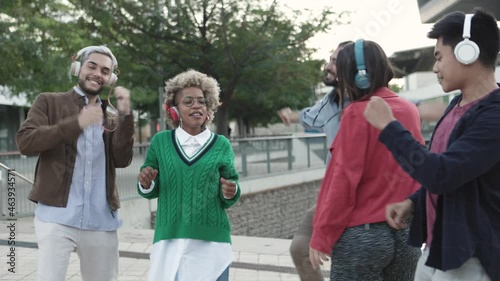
76, 64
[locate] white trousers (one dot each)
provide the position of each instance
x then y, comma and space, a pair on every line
97, 250
471, 270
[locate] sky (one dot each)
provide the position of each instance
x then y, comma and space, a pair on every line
393, 24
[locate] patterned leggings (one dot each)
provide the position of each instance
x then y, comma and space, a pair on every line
374, 252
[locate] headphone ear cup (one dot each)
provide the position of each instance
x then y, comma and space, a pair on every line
112, 79
466, 52
362, 81
173, 112
75, 68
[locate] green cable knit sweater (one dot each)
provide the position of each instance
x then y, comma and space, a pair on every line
190, 201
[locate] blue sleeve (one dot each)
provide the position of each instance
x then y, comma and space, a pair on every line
467, 157
318, 115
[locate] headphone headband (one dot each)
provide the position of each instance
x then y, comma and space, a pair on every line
361, 80
76, 64
359, 54
97, 49
467, 25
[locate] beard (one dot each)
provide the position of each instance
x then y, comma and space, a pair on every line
333, 83
91, 92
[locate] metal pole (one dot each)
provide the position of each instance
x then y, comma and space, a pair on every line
159, 8
290, 156
243, 147
161, 104
308, 153
268, 156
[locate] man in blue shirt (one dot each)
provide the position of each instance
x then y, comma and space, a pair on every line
325, 117
79, 146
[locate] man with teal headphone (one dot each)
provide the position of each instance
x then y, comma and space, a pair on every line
324, 116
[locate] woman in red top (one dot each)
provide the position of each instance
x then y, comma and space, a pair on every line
363, 177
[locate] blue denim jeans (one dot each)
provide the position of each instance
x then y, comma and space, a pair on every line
224, 276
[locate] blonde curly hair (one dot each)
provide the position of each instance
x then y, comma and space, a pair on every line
192, 78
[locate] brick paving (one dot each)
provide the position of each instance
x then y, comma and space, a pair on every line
255, 259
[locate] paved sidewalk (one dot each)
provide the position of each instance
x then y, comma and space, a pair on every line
255, 259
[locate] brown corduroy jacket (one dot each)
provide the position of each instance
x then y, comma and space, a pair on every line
51, 131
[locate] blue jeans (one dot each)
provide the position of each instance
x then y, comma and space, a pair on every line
224, 276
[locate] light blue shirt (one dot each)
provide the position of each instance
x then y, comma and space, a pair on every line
87, 206
323, 116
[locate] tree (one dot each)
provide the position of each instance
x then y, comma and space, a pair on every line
251, 48
396, 88
257, 53
34, 46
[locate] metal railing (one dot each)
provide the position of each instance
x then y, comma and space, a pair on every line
253, 157
14, 189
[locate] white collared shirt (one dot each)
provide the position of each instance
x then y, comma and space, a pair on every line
191, 144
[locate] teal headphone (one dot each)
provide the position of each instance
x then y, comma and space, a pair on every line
361, 80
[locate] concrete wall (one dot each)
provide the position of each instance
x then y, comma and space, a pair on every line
274, 213
271, 206
137, 213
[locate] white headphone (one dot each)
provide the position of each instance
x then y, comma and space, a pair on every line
467, 51
76, 64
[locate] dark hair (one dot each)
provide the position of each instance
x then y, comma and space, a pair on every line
333, 96
378, 68
343, 44
484, 32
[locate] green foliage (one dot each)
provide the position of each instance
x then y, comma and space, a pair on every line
36, 40
395, 88
256, 52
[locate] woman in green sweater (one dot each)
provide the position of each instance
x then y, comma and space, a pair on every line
191, 171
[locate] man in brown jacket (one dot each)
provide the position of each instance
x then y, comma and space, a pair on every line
79, 144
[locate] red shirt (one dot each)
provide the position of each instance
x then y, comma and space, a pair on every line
362, 176
439, 144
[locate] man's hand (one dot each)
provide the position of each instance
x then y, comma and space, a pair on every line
122, 99
146, 176
90, 115
228, 188
397, 213
288, 116
316, 257
378, 113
